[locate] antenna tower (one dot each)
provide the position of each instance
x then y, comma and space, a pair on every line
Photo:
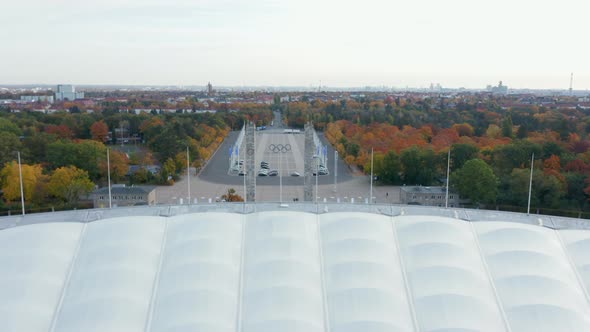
572, 84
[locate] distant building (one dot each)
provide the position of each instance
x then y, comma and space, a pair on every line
34, 99
430, 196
210, 90
67, 92
122, 195
498, 90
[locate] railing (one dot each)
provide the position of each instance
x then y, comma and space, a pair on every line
472, 215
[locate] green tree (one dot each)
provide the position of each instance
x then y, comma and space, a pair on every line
8, 126
547, 190
9, 144
389, 168
418, 165
507, 126
461, 153
476, 181
69, 183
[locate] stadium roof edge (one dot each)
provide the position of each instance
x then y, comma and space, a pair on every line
473, 215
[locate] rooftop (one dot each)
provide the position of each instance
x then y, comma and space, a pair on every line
301, 267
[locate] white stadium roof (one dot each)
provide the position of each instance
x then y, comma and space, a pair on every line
292, 271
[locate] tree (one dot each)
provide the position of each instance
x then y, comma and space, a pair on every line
476, 181
418, 165
461, 153
389, 168
69, 183
231, 196
9, 144
507, 127
10, 180
99, 131
547, 190
119, 165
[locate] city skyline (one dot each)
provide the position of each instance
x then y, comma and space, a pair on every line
529, 44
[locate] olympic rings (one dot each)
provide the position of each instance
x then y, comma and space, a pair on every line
276, 148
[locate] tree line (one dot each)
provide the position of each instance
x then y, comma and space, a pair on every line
73, 148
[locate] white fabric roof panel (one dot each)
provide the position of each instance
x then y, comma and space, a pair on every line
446, 276
110, 287
364, 282
293, 271
198, 285
535, 281
282, 285
34, 262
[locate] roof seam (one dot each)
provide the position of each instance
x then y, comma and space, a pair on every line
156, 285
323, 276
241, 278
573, 265
68, 278
490, 278
409, 296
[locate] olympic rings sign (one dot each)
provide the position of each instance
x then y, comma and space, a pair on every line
276, 148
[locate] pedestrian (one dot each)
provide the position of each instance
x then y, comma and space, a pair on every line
387, 194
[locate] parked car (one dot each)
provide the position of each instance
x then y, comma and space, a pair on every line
295, 174
274, 172
263, 172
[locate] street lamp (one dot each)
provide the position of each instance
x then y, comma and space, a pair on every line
20, 175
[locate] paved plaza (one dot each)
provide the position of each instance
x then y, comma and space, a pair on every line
213, 181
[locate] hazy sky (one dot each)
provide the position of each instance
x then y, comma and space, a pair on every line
469, 43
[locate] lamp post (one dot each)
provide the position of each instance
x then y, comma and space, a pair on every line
188, 175
371, 187
448, 169
109, 178
528, 208
20, 175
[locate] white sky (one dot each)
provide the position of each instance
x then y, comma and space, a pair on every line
458, 43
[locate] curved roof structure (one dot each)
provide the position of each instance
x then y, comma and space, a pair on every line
293, 271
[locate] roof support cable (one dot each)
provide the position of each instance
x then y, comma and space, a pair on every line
241, 272
402, 266
323, 276
154, 295
68, 277
489, 275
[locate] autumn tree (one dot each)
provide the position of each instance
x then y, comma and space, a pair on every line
231, 196
10, 180
119, 165
69, 183
99, 131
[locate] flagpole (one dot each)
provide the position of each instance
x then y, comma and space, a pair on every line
528, 209
109, 178
20, 175
448, 172
280, 178
371, 190
188, 175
